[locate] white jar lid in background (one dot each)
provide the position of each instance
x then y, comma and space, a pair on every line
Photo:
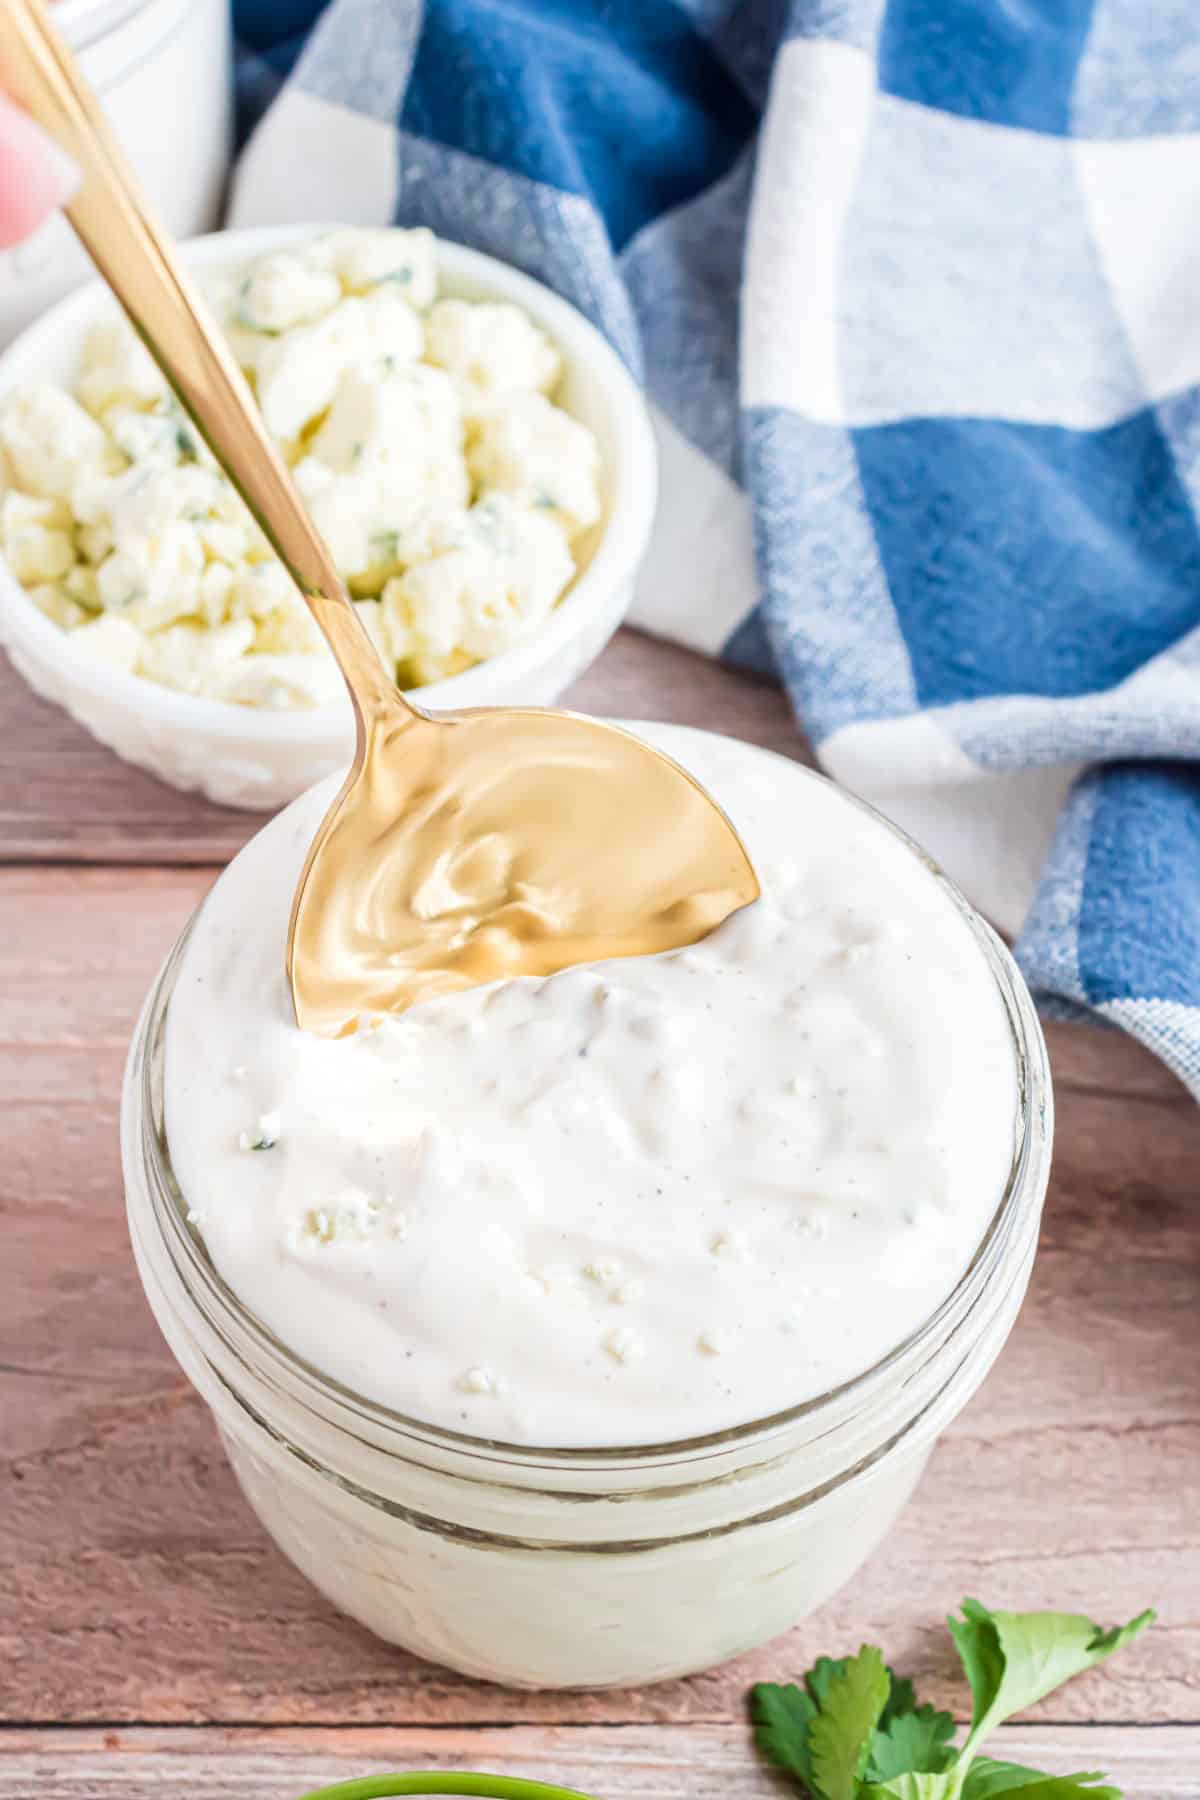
83, 21
113, 38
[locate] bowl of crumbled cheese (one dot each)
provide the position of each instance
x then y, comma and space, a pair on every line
478, 459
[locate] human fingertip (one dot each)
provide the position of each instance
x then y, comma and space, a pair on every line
36, 175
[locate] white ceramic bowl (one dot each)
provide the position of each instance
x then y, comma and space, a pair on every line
246, 757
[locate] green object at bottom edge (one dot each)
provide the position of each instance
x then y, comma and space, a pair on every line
486, 1787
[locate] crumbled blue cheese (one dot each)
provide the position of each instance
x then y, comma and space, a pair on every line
490, 348
559, 1282
479, 1381
490, 575
624, 1345
118, 368
714, 1342
37, 538
526, 447
351, 1217
282, 291
362, 260
618, 1288
424, 441
265, 1135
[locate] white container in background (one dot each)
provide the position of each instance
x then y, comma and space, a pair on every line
163, 71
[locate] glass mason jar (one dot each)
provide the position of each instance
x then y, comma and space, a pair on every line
576, 1568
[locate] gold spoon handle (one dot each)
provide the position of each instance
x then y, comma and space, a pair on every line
136, 257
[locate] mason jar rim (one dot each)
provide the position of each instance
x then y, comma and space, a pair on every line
1034, 1113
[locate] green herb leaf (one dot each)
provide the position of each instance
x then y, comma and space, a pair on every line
854, 1731
987, 1779
901, 1699
1012, 1660
912, 1787
915, 1742
824, 1672
782, 1716
840, 1736
1119, 1635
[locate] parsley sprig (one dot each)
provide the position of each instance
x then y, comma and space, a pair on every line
854, 1729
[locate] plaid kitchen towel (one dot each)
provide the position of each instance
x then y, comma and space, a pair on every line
914, 289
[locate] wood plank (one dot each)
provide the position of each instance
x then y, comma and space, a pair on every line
1099, 1060
66, 798
138, 1588
697, 1762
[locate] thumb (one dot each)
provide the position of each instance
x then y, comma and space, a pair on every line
35, 175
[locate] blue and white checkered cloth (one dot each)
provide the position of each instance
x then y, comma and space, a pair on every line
914, 288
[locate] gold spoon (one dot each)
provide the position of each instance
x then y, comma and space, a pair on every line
498, 842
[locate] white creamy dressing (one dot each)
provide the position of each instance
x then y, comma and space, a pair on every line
630, 1203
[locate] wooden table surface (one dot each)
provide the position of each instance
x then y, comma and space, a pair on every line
151, 1637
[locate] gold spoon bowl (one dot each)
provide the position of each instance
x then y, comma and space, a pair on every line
461, 849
